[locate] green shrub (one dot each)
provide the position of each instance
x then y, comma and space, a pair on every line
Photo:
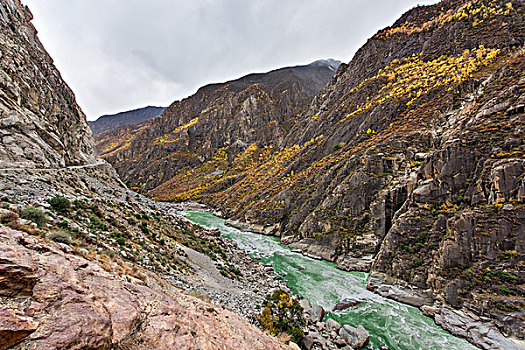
116, 234
34, 214
60, 237
96, 210
59, 204
109, 253
505, 289
121, 241
418, 263
282, 314
506, 275
63, 224
80, 204
96, 223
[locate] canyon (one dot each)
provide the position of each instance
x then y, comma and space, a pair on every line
407, 164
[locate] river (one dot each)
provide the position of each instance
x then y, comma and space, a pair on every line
389, 323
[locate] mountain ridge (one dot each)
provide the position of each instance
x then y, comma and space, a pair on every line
109, 122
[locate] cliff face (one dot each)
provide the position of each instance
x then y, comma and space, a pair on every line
107, 123
219, 121
41, 124
409, 163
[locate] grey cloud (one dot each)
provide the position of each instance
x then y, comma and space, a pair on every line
122, 54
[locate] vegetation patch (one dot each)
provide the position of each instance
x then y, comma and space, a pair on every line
282, 314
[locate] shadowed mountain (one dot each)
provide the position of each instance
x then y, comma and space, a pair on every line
110, 122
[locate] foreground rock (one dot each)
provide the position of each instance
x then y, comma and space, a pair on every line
78, 305
14, 328
318, 313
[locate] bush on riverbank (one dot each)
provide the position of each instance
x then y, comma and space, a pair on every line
282, 314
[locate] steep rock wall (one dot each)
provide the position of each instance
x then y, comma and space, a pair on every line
41, 125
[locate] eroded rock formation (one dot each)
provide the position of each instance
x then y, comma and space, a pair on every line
219, 122
41, 124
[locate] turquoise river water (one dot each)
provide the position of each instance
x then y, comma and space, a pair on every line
389, 323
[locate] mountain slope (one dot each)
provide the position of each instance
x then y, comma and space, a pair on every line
84, 262
113, 121
220, 120
409, 163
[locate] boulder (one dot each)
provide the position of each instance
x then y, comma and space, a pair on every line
318, 313
294, 346
18, 272
14, 328
305, 304
346, 304
307, 342
357, 338
332, 325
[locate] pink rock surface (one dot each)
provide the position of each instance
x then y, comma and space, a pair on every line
78, 305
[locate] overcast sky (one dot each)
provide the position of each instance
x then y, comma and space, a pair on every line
122, 54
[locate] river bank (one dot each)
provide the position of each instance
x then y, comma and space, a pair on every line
235, 281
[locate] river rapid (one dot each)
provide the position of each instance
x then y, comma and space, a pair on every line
389, 323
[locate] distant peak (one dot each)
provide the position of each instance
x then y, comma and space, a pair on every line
329, 62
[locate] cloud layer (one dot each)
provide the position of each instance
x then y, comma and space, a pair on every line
122, 54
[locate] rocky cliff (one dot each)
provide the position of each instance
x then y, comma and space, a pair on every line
110, 122
41, 124
84, 262
409, 163
219, 122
